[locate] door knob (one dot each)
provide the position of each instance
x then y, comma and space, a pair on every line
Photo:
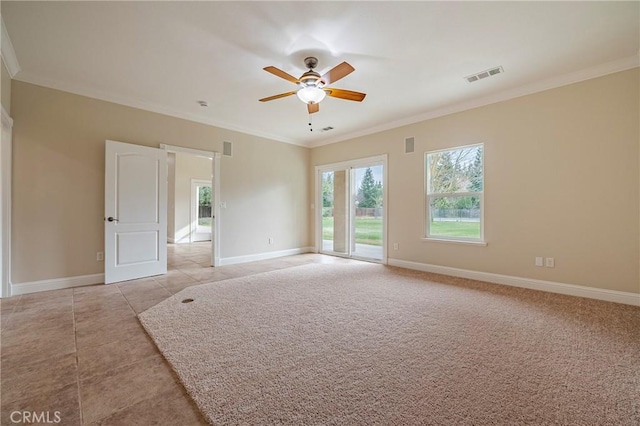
112, 219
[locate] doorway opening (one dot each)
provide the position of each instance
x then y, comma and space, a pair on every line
351, 221
201, 211
193, 201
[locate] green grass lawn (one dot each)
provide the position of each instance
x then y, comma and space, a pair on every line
204, 221
456, 229
369, 230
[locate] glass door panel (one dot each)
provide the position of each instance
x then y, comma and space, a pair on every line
201, 211
367, 212
334, 212
204, 209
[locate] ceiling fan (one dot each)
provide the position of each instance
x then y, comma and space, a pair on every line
312, 87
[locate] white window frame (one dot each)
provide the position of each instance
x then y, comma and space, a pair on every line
428, 196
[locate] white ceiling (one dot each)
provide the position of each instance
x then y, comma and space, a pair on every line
410, 57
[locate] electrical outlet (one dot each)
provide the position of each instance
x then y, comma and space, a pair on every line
223, 204
270, 240
100, 256
550, 262
396, 246
539, 261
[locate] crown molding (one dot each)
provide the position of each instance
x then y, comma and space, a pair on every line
9, 57
529, 89
146, 106
547, 84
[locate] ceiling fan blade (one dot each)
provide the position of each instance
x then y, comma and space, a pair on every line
346, 94
336, 73
278, 72
313, 108
281, 95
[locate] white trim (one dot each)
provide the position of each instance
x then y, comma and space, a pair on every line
5, 205
184, 150
215, 199
601, 70
147, 106
454, 241
530, 283
265, 256
317, 213
7, 52
56, 284
358, 162
217, 217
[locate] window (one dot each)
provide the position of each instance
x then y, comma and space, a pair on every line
454, 196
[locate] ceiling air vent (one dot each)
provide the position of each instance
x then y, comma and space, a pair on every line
326, 129
484, 74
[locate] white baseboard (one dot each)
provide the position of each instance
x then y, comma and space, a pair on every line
55, 284
530, 283
264, 256
69, 282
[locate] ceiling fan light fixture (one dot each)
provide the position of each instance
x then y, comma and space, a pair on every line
311, 94
312, 86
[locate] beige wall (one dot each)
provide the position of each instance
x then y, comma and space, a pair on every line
187, 167
5, 88
58, 181
561, 180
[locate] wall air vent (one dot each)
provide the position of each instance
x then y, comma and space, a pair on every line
409, 145
484, 74
226, 149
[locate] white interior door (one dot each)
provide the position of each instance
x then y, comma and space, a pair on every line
135, 212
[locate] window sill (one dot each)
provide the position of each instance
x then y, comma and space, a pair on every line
444, 240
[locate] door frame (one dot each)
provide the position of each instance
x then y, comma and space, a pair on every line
5, 205
193, 208
348, 165
215, 190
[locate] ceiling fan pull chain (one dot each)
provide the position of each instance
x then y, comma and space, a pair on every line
310, 127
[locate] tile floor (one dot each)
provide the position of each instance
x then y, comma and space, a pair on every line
83, 353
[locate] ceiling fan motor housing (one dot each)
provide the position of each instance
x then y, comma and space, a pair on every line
310, 78
311, 62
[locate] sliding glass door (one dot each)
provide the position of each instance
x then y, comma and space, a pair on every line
352, 219
367, 212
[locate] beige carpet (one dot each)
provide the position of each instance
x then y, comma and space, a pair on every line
364, 344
